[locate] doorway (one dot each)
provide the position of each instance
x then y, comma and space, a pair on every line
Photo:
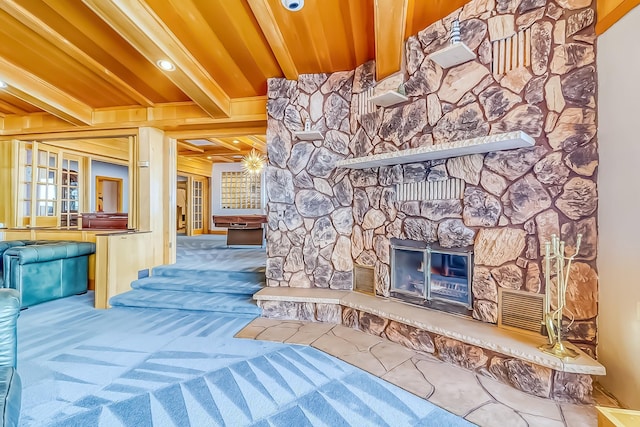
108, 194
181, 205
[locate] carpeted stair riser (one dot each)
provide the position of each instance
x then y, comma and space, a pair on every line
238, 305
197, 284
219, 275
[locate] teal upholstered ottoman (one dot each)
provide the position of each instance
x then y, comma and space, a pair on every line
10, 384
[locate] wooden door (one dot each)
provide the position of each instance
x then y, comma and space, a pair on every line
108, 194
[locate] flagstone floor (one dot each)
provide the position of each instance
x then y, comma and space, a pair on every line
476, 398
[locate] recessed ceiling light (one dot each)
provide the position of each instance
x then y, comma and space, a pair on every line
2, 84
293, 5
235, 141
209, 157
237, 156
166, 65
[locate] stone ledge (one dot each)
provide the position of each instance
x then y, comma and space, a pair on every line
519, 345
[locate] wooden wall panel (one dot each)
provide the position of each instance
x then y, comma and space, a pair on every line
610, 11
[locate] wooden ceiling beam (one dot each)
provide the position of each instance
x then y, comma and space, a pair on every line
232, 147
215, 133
41, 28
142, 28
190, 147
390, 20
37, 92
271, 30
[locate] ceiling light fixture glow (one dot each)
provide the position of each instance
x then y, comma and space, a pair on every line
235, 141
166, 65
2, 84
253, 163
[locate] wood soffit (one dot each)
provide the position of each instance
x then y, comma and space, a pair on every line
76, 66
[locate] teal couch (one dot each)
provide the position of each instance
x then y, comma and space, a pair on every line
10, 384
47, 270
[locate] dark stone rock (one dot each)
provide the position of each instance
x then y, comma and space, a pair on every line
437, 172
276, 107
372, 324
364, 177
323, 233
278, 144
508, 276
419, 229
364, 77
336, 109
485, 311
313, 204
541, 34
512, 164
527, 118
411, 208
409, 336
371, 122
436, 210
292, 119
461, 354
534, 91
527, 5
589, 245
507, 6
360, 145
336, 82
462, 123
300, 154
524, 376
583, 160
434, 33
414, 54
402, 123
574, 388
452, 233
344, 192
579, 198
570, 56
342, 280
496, 101
303, 180
524, 199
360, 205
484, 286
337, 141
280, 88
425, 80
279, 183
472, 32
579, 86
310, 83
480, 208
374, 194
274, 268
580, 21
414, 172
350, 318
322, 162
390, 175
551, 170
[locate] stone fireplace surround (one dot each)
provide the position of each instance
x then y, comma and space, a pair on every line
324, 219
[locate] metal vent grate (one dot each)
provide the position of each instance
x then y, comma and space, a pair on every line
363, 279
520, 310
452, 188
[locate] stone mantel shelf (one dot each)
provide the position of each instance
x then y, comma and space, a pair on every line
388, 98
452, 55
519, 345
309, 135
485, 144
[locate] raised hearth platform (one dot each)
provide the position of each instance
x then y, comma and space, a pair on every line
508, 356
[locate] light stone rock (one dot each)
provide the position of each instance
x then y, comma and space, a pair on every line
492, 182
343, 220
433, 33
367, 258
507, 6
554, 12
570, 136
551, 170
525, 20
526, 118
337, 141
472, 32
467, 168
477, 8
579, 86
532, 281
364, 177
322, 162
516, 79
323, 186
559, 32
425, 80
381, 246
460, 80
336, 109
414, 54
278, 143
512, 164
524, 199
484, 285
541, 33
409, 336
292, 119
495, 246
480, 208
329, 313
410, 208
364, 77
582, 292
344, 192
357, 241
420, 229
461, 123
336, 81
436, 210
313, 204
528, 5
350, 318
394, 229
360, 205
485, 52
402, 123
579, 198
534, 91
497, 101
274, 268
525, 376
461, 354
278, 244
279, 185
316, 106
573, 4
293, 262
434, 109
580, 21
553, 94
550, 122
485, 311
300, 154
323, 233
547, 224
388, 204
360, 145
570, 56
301, 280
508, 276
341, 257
373, 219
452, 233
501, 27
280, 88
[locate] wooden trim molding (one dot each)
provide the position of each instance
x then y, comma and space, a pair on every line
609, 13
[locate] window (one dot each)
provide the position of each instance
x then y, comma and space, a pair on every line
240, 191
197, 205
46, 183
70, 192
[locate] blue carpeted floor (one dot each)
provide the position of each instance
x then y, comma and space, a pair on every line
133, 366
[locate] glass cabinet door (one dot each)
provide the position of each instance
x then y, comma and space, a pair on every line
70, 191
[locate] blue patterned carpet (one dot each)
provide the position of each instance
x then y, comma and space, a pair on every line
130, 366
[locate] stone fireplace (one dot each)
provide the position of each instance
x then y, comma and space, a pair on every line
432, 276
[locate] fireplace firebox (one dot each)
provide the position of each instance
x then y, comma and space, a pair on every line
432, 276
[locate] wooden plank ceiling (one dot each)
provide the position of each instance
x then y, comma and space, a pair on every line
73, 65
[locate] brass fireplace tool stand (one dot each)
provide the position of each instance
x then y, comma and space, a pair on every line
554, 252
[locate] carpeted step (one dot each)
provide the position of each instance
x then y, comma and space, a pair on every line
236, 305
198, 284
203, 271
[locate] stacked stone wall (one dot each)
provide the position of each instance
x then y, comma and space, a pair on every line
323, 220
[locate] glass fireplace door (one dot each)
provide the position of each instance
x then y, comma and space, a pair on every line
449, 278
